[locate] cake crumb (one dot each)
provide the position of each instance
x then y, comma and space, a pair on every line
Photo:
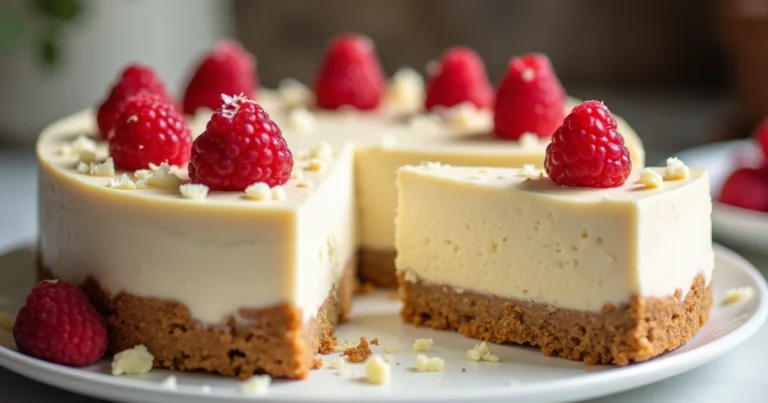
133, 361
327, 345
169, 383
676, 170
258, 191
377, 370
735, 295
6, 322
193, 191
365, 288
429, 364
391, 348
358, 354
650, 179
422, 344
256, 386
463, 370
317, 363
375, 342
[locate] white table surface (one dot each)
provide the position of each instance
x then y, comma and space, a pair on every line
739, 377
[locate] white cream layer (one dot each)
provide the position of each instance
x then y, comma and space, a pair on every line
514, 234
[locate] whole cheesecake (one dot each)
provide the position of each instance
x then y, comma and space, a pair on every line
254, 280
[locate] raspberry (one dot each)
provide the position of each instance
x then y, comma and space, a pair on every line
134, 79
587, 151
350, 75
529, 99
59, 324
227, 69
746, 188
460, 77
149, 130
241, 146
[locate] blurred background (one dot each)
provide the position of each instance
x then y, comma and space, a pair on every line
681, 72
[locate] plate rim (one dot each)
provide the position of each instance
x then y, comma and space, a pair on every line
104, 386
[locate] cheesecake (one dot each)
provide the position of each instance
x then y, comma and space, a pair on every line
218, 276
609, 275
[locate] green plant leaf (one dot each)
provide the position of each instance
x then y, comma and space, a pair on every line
13, 29
65, 10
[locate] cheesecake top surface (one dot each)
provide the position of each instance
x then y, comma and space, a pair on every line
535, 181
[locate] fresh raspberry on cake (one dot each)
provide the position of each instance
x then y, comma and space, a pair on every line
746, 188
459, 77
227, 69
241, 146
59, 324
587, 150
149, 130
134, 79
529, 99
350, 74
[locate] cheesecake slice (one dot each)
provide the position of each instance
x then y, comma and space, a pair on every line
614, 275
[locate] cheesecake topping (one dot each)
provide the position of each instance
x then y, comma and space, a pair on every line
459, 77
529, 99
587, 150
406, 89
676, 170
240, 146
350, 75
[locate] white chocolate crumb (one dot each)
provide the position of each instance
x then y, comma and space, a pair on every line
429, 364
83, 168
294, 93
77, 146
315, 164
338, 362
735, 295
422, 344
388, 141
377, 370
123, 182
259, 191
133, 361
297, 173
345, 372
106, 168
430, 165
301, 120
87, 156
305, 183
391, 348
278, 193
650, 179
164, 177
205, 389
676, 170
169, 383
338, 348
194, 191
528, 74
529, 171
389, 358
484, 170
324, 151
490, 357
529, 140
141, 184
477, 352
142, 173
153, 167
257, 385
466, 116
406, 89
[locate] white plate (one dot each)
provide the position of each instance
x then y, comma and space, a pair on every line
730, 224
541, 379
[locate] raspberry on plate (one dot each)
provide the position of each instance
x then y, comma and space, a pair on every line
350, 74
59, 324
529, 99
761, 135
227, 69
459, 77
587, 151
241, 146
746, 188
149, 130
134, 79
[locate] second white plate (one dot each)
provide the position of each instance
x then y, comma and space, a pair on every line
536, 378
